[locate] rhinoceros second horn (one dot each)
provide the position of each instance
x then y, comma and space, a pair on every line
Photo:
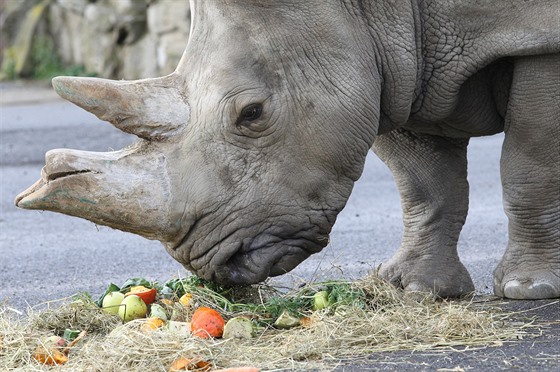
149, 108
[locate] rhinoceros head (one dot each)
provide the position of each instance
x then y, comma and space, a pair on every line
246, 153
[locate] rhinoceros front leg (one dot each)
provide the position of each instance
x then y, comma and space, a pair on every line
431, 175
530, 165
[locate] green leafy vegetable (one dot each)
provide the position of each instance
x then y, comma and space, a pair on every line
134, 282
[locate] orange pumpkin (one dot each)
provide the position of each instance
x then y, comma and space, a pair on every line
207, 323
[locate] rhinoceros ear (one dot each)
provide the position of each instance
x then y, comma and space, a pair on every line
151, 108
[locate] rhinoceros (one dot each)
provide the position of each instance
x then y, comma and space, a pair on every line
250, 148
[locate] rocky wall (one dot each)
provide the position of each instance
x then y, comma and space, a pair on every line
121, 39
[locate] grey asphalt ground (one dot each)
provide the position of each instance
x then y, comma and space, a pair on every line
46, 256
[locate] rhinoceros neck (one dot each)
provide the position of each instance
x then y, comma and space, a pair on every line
460, 38
391, 32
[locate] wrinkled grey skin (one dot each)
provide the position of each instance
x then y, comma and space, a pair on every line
237, 194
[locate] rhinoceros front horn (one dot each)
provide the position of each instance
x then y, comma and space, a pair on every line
152, 109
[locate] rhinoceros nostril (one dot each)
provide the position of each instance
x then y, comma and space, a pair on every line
54, 176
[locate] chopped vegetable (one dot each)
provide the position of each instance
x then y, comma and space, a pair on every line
157, 311
321, 300
179, 327
151, 324
184, 364
185, 299
306, 321
239, 327
50, 351
70, 334
286, 320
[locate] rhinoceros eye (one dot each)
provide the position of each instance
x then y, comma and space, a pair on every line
250, 113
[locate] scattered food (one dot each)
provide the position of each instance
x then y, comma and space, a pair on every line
265, 327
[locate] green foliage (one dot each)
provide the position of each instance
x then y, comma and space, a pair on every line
44, 60
9, 65
46, 64
261, 301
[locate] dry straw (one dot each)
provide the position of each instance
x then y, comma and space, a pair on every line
370, 316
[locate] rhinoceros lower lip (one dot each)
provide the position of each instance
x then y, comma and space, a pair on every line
45, 179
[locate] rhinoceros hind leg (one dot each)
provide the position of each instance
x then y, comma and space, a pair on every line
530, 267
431, 174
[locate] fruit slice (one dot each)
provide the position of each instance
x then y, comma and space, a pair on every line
148, 295
238, 327
321, 300
184, 364
151, 324
185, 299
157, 311
179, 327
286, 320
49, 352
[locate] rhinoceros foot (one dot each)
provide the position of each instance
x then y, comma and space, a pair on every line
442, 276
527, 277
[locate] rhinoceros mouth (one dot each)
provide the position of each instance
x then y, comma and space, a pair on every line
245, 268
57, 175
25, 198
252, 260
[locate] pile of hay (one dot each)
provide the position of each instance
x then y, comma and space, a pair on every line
370, 317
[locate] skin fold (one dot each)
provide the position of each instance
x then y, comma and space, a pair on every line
250, 149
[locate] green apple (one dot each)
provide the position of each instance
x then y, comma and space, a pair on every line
320, 300
132, 307
112, 301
